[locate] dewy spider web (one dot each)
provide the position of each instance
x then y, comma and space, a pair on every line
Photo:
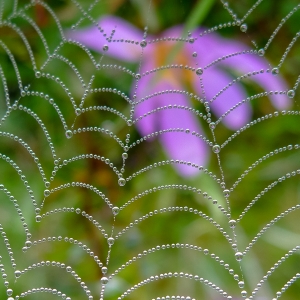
90, 209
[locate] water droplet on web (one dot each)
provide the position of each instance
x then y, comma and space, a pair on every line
238, 256
69, 134
291, 94
199, 71
38, 218
226, 193
212, 125
38, 74
46, 193
216, 149
125, 155
104, 270
121, 181
244, 293
195, 54
28, 244
105, 48
261, 52
244, 27
241, 284
129, 122
115, 210
78, 111
104, 280
232, 223
138, 76
17, 273
275, 71
9, 292
143, 44
110, 241
191, 40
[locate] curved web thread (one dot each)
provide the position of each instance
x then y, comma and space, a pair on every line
158, 108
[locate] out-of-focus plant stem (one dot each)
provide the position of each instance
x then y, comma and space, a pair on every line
197, 16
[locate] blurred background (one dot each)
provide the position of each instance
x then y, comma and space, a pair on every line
161, 228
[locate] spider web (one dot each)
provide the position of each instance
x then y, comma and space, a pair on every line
92, 205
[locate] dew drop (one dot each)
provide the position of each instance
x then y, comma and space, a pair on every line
244, 293
291, 94
212, 125
110, 241
129, 122
69, 134
46, 193
28, 244
275, 71
143, 43
226, 193
38, 218
241, 284
9, 292
232, 223
17, 273
104, 280
104, 270
244, 27
105, 48
199, 71
115, 210
78, 111
38, 74
125, 155
216, 149
121, 182
138, 76
194, 54
261, 52
238, 256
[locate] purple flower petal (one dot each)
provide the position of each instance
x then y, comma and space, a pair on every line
173, 143
215, 80
209, 48
92, 38
243, 64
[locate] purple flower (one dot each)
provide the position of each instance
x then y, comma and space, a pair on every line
197, 52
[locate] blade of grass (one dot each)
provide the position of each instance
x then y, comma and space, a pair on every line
195, 19
201, 10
